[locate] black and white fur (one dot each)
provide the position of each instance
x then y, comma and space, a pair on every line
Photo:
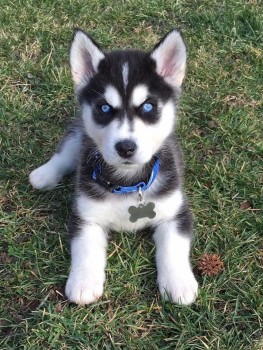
125, 81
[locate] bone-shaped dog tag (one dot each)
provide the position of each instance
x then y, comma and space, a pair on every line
142, 211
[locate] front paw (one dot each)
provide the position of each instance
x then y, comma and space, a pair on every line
179, 288
84, 288
45, 177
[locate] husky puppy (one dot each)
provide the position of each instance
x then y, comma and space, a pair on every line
128, 163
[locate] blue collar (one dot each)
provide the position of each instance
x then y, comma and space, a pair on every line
98, 177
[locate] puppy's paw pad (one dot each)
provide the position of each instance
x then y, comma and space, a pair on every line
44, 177
180, 289
84, 290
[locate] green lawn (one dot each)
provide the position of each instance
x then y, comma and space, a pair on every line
221, 132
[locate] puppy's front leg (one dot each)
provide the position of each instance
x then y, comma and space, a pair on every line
175, 277
88, 262
63, 162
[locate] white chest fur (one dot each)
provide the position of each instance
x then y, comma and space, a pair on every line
112, 213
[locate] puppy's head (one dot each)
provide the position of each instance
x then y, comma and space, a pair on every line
128, 98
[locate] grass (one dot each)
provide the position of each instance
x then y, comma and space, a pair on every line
221, 133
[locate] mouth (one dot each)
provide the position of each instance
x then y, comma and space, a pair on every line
128, 165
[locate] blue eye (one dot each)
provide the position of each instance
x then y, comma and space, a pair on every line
105, 108
147, 107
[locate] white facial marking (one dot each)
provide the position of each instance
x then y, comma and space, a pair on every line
125, 74
123, 130
112, 96
139, 95
90, 126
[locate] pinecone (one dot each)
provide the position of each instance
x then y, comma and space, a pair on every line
210, 264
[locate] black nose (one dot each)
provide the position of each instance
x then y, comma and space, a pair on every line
125, 148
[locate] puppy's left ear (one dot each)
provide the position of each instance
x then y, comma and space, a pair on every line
170, 57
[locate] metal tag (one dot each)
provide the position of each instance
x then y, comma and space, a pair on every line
142, 211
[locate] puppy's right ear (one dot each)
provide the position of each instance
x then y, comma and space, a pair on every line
85, 56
